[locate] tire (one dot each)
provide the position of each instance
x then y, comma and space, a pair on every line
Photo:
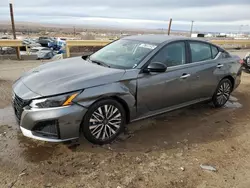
222, 93
102, 127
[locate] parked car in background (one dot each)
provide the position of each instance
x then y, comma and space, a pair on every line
30, 43
44, 41
246, 62
130, 79
7, 50
57, 44
46, 54
37, 50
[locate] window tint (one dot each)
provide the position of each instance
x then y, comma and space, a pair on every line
123, 54
171, 55
215, 51
200, 51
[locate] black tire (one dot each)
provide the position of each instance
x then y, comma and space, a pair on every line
222, 93
107, 124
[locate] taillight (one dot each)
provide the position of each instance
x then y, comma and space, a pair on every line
241, 61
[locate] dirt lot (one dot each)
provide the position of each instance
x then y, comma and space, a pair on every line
165, 151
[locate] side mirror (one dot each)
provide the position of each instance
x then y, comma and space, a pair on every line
156, 67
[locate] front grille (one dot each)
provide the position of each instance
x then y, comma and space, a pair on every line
18, 105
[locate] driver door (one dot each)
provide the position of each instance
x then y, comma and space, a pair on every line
161, 90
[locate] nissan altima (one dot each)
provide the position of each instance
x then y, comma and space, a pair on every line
130, 79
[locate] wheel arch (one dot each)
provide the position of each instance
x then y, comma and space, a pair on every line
121, 101
119, 92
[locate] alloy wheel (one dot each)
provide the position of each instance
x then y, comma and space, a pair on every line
105, 122
223, 93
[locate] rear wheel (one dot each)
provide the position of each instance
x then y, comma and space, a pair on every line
222, 93
104, 121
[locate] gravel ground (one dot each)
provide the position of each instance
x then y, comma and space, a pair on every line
165, 151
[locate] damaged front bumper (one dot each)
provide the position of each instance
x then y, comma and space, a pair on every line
52, 124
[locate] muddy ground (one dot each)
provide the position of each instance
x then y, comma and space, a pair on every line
165, 151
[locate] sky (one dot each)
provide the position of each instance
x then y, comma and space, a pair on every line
208, 15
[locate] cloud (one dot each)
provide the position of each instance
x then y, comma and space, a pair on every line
220, 15
127, 3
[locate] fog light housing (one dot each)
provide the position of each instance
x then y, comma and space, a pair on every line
47, 129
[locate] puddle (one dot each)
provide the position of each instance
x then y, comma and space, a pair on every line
7, 117
233, 99
14, 146
232, 103
35, 151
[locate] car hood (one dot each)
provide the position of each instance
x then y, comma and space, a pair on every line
65, 76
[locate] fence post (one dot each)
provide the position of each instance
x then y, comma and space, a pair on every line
67, 51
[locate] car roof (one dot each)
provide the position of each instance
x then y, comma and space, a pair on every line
158, 39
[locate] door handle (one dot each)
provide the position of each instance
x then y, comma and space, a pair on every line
219, 65
184, 76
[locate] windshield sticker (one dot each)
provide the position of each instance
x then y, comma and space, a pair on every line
135, 65
149, 46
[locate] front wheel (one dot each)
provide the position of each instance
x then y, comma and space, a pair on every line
222, 93
104, 121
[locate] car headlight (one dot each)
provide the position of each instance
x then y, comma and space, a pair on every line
57, 101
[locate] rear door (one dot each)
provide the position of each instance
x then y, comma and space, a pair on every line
205, 69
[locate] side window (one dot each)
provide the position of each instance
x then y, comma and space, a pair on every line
215, 51
200, 51
171, 55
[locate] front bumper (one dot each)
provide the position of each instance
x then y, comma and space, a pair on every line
63, 122
29, 134
238, 79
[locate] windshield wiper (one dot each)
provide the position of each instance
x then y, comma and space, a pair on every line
99, 63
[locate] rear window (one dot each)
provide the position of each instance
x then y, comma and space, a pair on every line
200, 51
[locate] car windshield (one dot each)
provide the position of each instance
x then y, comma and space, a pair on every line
123, 54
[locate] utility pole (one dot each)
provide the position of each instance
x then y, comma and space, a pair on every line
14, 30
169, 26
191, 31
12, 21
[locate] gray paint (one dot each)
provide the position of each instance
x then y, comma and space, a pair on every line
69, 119
144, 94
68, 75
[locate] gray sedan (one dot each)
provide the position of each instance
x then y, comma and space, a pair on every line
130, 79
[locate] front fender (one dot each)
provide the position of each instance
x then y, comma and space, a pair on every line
126, 91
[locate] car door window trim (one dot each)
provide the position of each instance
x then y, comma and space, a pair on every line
187, 58
206, 43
